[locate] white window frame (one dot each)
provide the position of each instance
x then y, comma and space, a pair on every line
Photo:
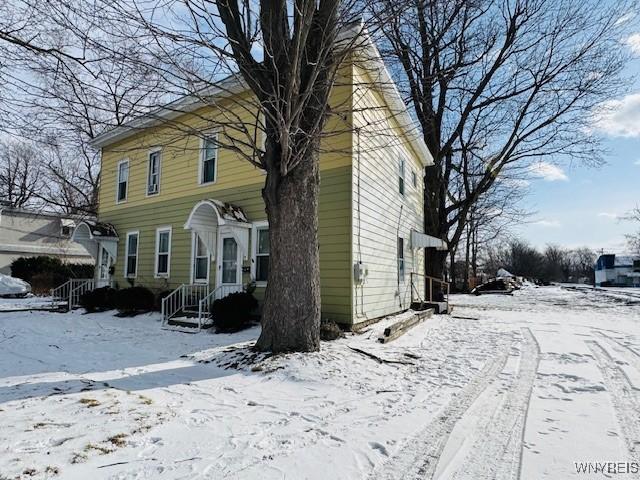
160, 230
193, 261
260, 225
414, 178
126, 190
402, 182
401, 260
157, 150
214, 136
126, 253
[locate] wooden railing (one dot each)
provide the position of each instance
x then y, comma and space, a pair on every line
419, 280
220, 292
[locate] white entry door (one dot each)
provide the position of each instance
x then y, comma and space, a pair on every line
229, 262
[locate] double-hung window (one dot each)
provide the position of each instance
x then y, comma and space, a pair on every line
163, 251
200, 260
262, 254
123, 181
208, 159
131, 263
153, 177
400, 259
401, 176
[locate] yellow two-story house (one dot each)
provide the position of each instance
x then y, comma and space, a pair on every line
178, 211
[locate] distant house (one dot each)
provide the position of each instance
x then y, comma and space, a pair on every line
26, 233
618, 271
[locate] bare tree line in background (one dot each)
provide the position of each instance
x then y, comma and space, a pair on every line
633, 239
496, 87
553, 264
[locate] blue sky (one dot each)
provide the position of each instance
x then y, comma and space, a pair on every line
578, 205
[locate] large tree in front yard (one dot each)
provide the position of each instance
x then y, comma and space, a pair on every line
500, 87
292, 84
286, 56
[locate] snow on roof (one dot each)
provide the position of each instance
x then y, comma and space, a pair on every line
502, 273
99, 229
227, 211
625, 260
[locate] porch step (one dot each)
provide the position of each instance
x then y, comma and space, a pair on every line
438, 307
176, 328
189, 322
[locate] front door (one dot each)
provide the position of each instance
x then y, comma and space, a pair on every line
229, 262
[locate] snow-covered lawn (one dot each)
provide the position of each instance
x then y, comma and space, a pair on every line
507, 386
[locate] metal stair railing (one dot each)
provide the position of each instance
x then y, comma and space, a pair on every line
182, 298
220, 292
70, 291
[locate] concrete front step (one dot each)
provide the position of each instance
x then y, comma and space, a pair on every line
189, 322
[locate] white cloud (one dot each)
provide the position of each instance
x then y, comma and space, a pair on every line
633, 42
548, 223
619, 118
548, 171
637, 162
608, 215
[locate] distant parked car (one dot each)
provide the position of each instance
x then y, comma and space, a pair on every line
13, 287
497, 286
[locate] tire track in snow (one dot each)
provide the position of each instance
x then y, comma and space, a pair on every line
418, 458
626, 401
630, 355
497, 452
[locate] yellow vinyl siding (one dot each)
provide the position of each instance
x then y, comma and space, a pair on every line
380, 213
181, 157
334, 237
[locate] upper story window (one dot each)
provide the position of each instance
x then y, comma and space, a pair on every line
400, 259
414, 179
401, 176
122, 181
131, 263
153, 177
208, 160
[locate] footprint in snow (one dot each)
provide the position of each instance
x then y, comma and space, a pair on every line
381, 448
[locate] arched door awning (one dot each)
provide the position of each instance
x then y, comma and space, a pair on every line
90, 234
211, 218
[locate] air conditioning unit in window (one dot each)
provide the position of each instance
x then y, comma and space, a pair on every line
153, 188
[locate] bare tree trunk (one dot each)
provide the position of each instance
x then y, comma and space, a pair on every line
465, 283
291, 312
452, 270
474, 252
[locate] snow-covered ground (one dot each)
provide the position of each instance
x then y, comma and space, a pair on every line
506, 387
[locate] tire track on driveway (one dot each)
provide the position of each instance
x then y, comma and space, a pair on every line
497, 451
418, 458
625, 399
629, 354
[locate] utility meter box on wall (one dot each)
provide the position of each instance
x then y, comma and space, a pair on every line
360, 272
